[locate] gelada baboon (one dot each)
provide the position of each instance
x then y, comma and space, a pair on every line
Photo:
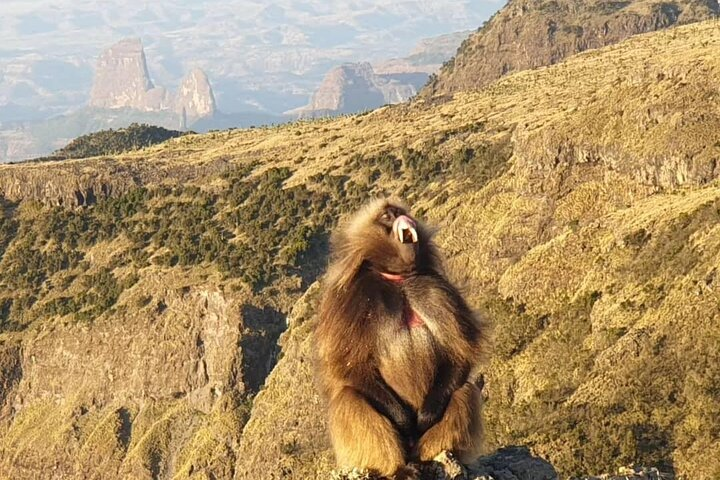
398, 347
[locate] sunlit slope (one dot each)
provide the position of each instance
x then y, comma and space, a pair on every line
649, 82
527, 34
578, 204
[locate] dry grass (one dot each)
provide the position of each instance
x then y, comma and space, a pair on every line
594, 248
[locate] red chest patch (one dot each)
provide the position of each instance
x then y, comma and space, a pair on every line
411, 318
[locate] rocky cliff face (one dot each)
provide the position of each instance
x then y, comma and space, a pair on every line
355, 87
195, 97
529, 34
72, 183
132, 397
122, 81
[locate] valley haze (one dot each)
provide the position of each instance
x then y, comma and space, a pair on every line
262, 59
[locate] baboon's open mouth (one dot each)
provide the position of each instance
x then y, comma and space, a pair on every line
405, 229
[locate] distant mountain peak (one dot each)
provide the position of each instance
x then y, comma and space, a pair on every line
353, 87
122, 80
195, 96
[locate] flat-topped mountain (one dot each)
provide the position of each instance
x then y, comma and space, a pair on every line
355, 87
530, 33
122, 80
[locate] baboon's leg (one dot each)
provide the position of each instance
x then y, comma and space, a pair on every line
362, 437
459, 430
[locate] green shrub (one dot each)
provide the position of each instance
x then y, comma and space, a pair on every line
8, 225
254, 228
111, 142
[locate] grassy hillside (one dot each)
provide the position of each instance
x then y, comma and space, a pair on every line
142, 295
533, 33
40, 138
112, 142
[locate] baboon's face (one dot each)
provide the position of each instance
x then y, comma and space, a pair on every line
395, 241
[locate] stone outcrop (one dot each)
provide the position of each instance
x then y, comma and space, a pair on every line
633, 473
511, 463
527, 34
122, 80
195, 98
354, 87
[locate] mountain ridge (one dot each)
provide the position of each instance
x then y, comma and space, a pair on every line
264, 62
117, 104
526, 34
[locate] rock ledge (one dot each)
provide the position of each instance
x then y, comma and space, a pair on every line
511, 463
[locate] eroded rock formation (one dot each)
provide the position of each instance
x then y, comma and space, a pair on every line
354, 87
122, 80
195, 98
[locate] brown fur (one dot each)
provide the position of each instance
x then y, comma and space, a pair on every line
396, 393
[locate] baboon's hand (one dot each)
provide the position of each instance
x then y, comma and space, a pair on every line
427, 418
407, 473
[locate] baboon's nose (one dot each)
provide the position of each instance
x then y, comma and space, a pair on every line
405, 229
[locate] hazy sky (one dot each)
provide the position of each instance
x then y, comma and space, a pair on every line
29, 25
48, 48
